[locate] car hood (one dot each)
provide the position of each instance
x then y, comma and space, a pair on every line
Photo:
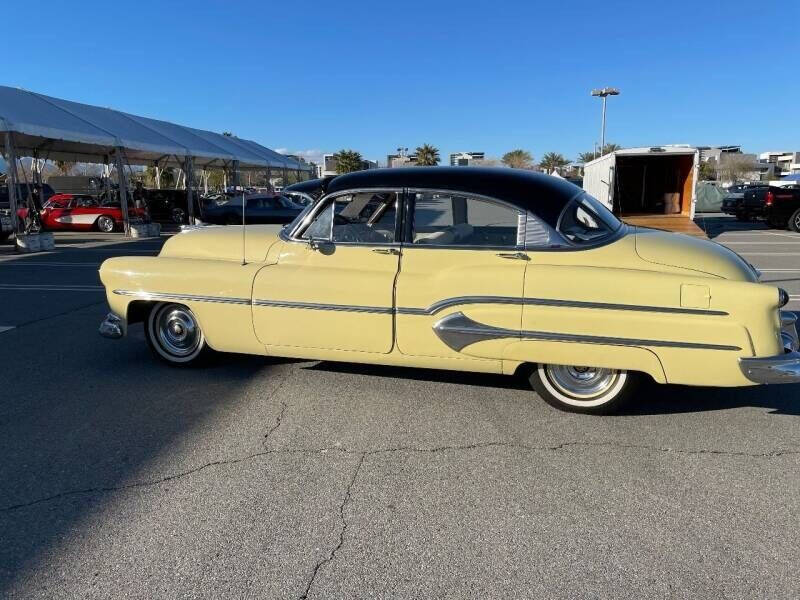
223, 242
694, 254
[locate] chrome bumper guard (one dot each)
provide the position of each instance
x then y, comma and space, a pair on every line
111, 327
784, 368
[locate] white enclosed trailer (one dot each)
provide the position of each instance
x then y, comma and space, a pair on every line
646, 182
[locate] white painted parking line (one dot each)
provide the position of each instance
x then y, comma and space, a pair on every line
780, 270
5, 262
761, 243
14, 287
4, 328
770, 253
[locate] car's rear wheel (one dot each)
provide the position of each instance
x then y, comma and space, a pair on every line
591, 390
794, 221
105, 224
174, 335
178, 216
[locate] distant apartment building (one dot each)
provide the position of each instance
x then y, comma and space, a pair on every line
465, 159
401, 160
785, 163
715, 152
328, 168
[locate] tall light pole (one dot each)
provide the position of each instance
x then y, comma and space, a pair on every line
604, 93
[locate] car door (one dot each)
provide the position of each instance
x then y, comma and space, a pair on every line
333, 284
462, 271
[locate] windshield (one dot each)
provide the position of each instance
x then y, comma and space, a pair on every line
586, 221
299, 218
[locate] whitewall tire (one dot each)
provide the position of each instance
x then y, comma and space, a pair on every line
590, 390
174, 335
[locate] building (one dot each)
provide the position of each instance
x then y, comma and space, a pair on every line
328, 167
465, 159
785, 163
401, 160
715, 153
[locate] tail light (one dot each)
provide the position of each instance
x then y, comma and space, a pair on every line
770, 198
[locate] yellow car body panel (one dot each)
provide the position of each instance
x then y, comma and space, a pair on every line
680, 310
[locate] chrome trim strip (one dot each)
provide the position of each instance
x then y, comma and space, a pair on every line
318, 306
183, 297
461, 300
459, 331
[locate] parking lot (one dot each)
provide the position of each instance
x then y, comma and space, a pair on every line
268, 478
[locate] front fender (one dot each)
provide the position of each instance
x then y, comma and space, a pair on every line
218, 293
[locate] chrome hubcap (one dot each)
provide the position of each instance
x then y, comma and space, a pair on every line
797, 222
177, 331
584, 383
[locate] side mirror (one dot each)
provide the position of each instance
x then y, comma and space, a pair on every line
326, 247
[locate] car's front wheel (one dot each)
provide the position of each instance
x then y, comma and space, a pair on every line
105, 223
591, 390
174, 335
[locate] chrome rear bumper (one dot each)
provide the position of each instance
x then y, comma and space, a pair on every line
111, 327
784, 368
772, 369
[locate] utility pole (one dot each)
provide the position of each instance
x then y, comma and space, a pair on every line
604, 94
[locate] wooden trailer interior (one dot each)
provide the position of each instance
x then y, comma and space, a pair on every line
655, 190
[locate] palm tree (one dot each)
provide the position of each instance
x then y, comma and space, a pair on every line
427, 155
585, 157
348, 161
518, 159
552, 161
609, 148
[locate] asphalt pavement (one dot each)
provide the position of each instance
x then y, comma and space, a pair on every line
255, 477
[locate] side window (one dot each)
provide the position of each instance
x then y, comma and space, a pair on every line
363, 218
443, 219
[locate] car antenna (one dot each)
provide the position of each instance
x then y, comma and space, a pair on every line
244, 246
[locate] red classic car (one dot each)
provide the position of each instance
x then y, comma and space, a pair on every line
73, 211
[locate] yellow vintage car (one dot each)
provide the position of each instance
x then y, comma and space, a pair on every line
489, 270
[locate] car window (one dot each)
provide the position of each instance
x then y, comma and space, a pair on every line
586, 221
447, 219
363, 218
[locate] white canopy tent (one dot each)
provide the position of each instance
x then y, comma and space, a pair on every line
44, 127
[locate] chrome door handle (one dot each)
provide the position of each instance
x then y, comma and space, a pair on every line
386, 250
514, 255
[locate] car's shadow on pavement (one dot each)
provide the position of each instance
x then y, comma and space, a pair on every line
652, 398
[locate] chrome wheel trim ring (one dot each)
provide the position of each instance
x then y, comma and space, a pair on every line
105, 224
797, 222
582, 386
175, 332
178, 216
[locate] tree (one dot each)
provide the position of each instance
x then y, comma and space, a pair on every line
427, 155
736, 167
518, 159
348, 161
609, 148
585, 157
552, 161
65, 166
708, 171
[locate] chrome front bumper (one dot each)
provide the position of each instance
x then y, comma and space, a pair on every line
111, 327
784, 368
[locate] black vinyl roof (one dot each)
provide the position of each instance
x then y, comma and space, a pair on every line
542, 194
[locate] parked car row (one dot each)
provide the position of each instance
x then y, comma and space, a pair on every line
778, 206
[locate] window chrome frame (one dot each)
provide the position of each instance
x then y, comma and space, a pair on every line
294, 235
411, 211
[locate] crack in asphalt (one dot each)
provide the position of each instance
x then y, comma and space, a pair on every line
433, 450
342, 531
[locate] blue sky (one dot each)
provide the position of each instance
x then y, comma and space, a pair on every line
490, 76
